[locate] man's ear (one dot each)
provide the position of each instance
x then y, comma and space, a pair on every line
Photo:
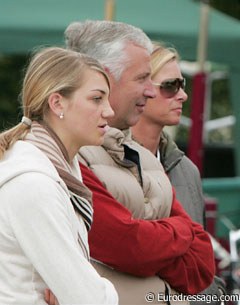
110, 75
106, 69
55, 103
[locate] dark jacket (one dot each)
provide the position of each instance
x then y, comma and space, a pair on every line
185, 178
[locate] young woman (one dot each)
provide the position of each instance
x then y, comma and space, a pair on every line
43, 243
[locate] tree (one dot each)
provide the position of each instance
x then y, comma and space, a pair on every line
230, 7
11, 68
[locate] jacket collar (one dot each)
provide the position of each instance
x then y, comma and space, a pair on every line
115, 139
170, 154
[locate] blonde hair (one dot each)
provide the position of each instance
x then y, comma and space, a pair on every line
51, 70
160, 56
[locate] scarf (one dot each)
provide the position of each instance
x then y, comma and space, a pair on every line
45, 139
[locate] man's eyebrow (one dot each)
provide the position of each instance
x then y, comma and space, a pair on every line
143, 75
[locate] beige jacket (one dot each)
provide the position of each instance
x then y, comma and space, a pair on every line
121, 176
140, 195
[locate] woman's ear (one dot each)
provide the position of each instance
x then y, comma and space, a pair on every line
55, 103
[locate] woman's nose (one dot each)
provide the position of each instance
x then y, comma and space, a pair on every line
181, 95
108, 111
184, 95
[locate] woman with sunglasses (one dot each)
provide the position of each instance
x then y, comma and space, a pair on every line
43, 242
166, 110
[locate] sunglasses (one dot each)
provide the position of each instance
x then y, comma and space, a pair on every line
170, 87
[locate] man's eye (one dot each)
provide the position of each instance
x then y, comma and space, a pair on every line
143, 77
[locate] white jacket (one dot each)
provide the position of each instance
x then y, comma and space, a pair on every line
42, 242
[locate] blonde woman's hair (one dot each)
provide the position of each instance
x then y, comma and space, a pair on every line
50, 70
160, 56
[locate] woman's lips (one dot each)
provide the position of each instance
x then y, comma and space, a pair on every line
104, 128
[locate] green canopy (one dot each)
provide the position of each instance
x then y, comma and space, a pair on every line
25, 24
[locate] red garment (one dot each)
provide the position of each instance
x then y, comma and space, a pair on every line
175, 248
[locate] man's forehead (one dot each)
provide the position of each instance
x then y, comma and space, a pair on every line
138, 58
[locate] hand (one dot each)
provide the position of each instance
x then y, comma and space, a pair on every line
50, 298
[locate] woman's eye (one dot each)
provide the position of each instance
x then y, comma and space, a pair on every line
97, 98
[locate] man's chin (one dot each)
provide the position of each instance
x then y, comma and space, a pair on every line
125, 123
133, 121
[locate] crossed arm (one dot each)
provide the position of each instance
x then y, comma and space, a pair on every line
175, 248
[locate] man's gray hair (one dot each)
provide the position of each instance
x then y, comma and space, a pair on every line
106, 41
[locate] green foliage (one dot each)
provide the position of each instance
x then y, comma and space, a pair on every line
229, 7
10, 82
220, 107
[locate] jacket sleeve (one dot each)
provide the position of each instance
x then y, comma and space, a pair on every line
42, 223
174, 248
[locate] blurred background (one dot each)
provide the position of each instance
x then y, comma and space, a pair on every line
207, 36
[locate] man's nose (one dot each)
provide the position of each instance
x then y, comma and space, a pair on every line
150, 91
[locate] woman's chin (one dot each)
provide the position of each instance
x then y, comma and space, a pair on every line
99, 141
